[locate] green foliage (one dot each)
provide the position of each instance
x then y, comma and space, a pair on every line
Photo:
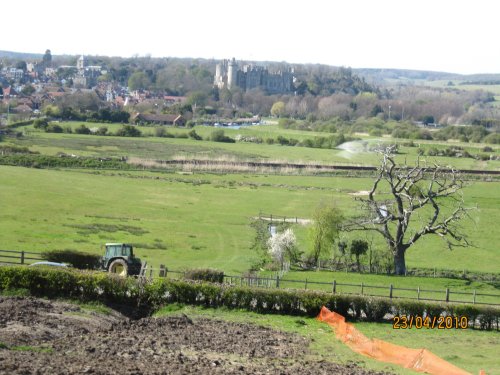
219, 136
9, 150
54, 128
76, 258
358, 248
40, 123
139, 80
45, 161
193, 135
96, 286
207, 274
327, 219
82, 129
128, 131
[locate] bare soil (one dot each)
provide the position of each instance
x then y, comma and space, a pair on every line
51, 337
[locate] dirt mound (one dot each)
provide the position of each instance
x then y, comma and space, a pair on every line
48, 337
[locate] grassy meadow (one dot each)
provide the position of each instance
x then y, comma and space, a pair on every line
201, 220
191, 220
167, 148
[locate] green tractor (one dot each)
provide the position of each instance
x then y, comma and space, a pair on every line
119, 259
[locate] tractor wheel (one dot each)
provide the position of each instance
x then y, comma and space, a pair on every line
119, 267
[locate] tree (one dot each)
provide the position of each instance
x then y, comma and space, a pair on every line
358, 248
283, 246
327, 221
47, 58
278, 109
139, 80
422, 201
28, 90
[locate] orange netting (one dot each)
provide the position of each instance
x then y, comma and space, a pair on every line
420, 360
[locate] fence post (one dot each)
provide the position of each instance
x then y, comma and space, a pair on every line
22, 257
271, 218
162, 270
390, 291
334, 288
277, 281
474, 297
305, 285
418, 293
447, 295
296, 220
361, 288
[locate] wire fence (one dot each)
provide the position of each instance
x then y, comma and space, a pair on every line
279, 281
389, 291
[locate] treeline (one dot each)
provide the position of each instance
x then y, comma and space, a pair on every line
377, 127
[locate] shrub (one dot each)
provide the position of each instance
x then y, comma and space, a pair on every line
214, 276
82, 129
40, 123
76, 258
193, 135
219, 136
128, 131
54, 128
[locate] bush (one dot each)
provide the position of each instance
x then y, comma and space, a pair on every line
193, 135
54, 128
40, 123
76, 258
128, 131
82, 129
214, 276
219, 136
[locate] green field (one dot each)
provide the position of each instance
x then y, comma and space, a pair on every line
200, 220
167, 148
190, 220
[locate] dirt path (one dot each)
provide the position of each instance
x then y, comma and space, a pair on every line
47, 337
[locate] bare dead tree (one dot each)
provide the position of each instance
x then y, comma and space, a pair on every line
421, 200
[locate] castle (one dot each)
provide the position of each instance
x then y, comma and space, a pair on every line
229, 75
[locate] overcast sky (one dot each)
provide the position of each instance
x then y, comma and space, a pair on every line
460, 36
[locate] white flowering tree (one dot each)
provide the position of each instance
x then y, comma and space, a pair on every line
282, 246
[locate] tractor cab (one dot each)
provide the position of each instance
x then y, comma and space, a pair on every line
119, 259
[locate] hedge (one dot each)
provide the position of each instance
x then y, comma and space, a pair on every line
205, 274
78, 259
149, 296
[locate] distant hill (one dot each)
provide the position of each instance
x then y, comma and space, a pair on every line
372, 75
20, 55
384, 75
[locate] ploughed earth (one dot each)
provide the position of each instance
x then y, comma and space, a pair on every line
39, 336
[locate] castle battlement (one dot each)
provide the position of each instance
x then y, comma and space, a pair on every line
229, 75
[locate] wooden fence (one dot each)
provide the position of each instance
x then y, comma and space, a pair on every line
18, 257
389, 291
278, 281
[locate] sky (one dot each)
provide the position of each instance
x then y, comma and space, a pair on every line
458, 36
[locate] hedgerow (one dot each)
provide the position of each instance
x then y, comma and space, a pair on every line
100, 286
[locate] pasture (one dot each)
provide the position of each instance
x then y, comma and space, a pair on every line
201, 220
151, 147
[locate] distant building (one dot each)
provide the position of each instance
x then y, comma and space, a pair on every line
86, 75
229, 75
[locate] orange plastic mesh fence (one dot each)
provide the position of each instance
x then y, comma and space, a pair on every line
420, 360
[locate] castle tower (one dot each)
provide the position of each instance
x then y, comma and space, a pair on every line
232, 69
80, 64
